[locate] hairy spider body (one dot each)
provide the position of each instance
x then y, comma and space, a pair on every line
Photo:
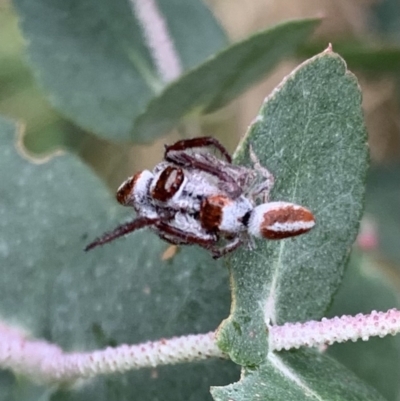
195, 197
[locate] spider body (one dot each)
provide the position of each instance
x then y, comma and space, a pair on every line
195, 197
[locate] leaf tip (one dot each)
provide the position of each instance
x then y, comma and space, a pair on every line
329, 49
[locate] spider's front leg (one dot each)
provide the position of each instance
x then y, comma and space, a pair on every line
264, 188
207, 241
206, 162
180, 236
201, 142
122, 230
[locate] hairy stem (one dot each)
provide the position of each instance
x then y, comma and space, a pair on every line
44, 362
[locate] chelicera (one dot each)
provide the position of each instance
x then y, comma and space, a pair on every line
194, 197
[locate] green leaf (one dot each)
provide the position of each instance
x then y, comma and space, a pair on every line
93, 60
121, 293
27, 391
301, 375
223, 77
387, 18
21, 99
310, 133
7, 385
382, 203
369, 285
194, 29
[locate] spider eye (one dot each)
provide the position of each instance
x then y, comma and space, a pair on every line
168, 183
278, 220
134, 189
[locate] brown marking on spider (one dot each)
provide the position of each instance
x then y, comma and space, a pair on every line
211, 211
126, 189
278, 220
168, 183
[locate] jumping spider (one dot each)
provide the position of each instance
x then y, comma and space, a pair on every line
194, 197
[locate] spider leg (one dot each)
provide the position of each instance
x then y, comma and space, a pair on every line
122, 230
179, 237
215, 168
200, 142
230, 247
172, 240
265, 187
175, 235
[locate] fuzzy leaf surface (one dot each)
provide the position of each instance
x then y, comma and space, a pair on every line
121, 293
297, 376
221, 78
93, 59
310, 134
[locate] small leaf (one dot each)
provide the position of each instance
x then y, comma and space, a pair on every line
121, 293
223, 77
93, 59
311, 135
301, 375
